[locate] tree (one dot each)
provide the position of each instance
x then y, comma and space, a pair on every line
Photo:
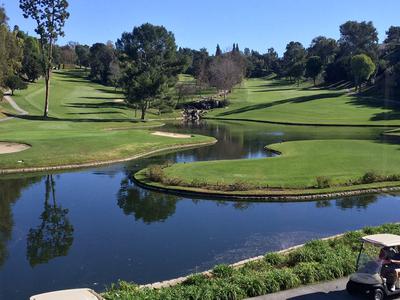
50, 17
54, 236
149, 64
101, 57
225, 73
357, 38
393, 35
82, 54
14, 82
295, 54
218, 51
3, 16
325, 48
362, 67
313, 67
297, 72
68, 55
31, 66
114, 77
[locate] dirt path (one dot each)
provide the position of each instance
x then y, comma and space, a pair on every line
15, 106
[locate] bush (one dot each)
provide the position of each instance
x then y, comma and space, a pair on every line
155, 173
307, 272
222, 271
286, 278
252, 284
371, 177
323, 182
271, 283
195, 279
275, 259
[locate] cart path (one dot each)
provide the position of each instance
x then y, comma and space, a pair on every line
331, 290
7, 97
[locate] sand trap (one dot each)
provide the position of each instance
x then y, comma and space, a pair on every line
7, 147
118, 100
173, 135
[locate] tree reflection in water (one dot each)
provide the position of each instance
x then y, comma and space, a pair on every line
362, 201
145, 205
10, 191
54, 236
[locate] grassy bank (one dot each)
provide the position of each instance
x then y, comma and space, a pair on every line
282, 102
316, 261
87, 124
313, 166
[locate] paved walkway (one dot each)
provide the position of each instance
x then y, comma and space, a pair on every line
7, 97
332, 290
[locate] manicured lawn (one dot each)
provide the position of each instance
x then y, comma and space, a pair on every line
85, 125
279, 101
299, 165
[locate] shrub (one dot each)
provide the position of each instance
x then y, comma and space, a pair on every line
371, 177
307, 272
223, 290
286, 278
199, 183
172, 181
257, 265
323, 182
252, 284
271, 283
275, 259
155, 173
195, 279
222, 271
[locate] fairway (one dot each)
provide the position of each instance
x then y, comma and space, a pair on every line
85, 125
298, 166
281, 102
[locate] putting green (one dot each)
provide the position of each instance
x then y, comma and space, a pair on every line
298, 166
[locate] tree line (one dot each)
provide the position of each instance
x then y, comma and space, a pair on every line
145, 62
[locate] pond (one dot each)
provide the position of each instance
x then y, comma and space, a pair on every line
92, 227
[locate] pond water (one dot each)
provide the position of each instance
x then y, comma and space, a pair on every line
92, 227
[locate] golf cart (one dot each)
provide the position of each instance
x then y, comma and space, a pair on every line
369, 278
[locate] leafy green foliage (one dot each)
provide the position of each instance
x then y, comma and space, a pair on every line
362, 67
150, 65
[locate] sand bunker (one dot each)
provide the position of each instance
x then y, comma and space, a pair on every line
8, 147
173, 135
118, 100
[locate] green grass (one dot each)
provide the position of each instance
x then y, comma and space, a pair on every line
85, 126
299, 165
282, 102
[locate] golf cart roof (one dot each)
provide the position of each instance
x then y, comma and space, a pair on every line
384, 240
74, 294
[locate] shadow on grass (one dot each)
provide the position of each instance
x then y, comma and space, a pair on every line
372, 102
107, 104
280, 102
52, 119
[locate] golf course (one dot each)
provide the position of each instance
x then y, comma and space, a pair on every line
279, 101
300, 167
87, 125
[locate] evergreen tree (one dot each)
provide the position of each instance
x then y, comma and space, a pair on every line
218, 51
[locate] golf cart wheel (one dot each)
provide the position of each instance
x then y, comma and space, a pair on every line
350, 289
378, 294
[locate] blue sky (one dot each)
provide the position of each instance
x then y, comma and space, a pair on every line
257, 24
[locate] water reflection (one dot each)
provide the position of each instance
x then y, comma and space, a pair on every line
145, 205
10, 192
54, 236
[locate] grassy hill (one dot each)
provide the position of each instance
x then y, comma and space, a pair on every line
282, 102
86, 125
